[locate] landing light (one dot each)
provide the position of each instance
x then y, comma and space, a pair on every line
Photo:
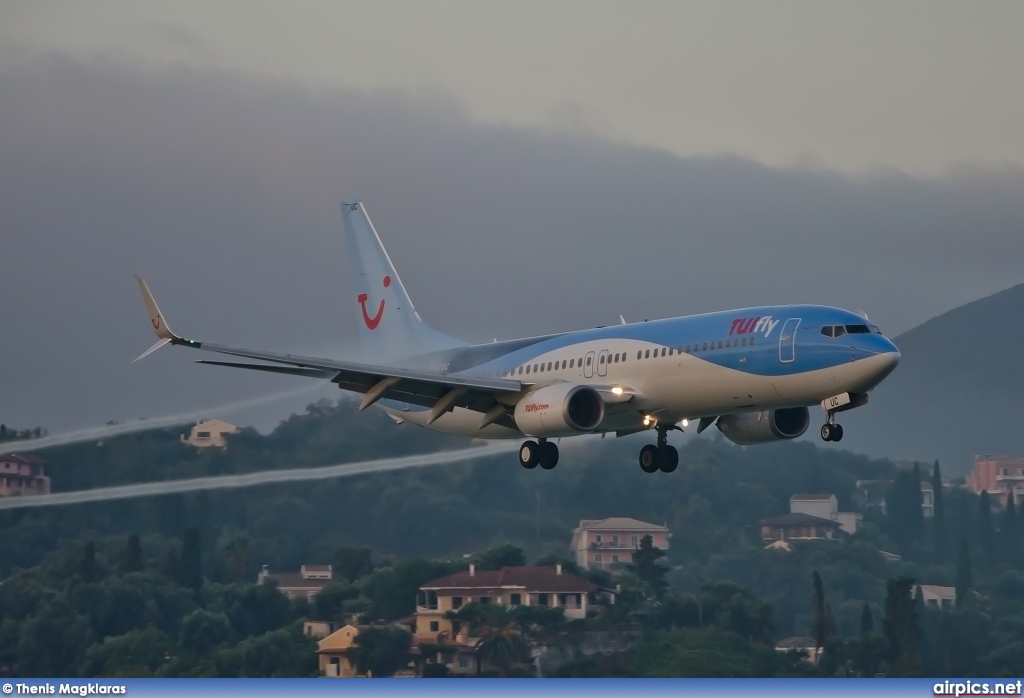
686, 422
647, 421
617, 391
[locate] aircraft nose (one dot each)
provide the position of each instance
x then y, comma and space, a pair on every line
890, 357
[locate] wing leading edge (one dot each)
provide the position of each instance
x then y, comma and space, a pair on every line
438, 391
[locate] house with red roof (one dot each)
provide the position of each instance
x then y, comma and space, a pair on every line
510, 586
22, 474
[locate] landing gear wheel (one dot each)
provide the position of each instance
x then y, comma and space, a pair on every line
529, 454
669, 459
649, 459
548, 455
837, 432
826, 431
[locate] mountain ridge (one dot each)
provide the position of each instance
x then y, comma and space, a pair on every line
957, 390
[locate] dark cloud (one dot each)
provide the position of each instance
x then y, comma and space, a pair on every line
222, 190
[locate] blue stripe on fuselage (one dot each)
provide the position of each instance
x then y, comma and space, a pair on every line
811, 350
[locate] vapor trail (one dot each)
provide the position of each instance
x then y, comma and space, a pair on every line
221, 482
110, 430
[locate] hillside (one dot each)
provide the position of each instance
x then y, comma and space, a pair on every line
959, 390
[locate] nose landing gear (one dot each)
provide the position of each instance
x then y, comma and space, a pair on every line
661, 456
830, 431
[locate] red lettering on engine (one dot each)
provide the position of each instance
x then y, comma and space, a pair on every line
534, 407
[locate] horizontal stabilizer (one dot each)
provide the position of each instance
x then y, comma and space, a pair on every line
159, 343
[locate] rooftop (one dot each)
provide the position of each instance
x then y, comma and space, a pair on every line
619, 523
802, 497
798, 519
529, 578
26, 458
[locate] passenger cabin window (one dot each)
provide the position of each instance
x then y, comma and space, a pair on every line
647, 354
571, 363
639, 355
588, 360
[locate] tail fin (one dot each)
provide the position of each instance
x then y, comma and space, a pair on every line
389, 326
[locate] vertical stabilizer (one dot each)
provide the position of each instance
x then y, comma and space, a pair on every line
389, 326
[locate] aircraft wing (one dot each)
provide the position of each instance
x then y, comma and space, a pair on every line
439, 391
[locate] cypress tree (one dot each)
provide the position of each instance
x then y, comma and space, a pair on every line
132, 555
867, 620
1008, 530
818, 612
900, 626
985, 533
964, 575
918, 508
938, 515
190, 565
87, 565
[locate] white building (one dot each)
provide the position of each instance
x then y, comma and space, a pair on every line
825, 506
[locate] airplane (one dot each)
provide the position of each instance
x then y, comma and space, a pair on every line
753, 372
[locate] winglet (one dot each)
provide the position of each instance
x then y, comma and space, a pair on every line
156, 320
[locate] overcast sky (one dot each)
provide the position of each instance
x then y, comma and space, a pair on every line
531, 167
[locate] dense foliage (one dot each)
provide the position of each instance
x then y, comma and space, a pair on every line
164, 585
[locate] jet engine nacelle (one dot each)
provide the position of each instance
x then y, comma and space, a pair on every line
562, 409
760, 427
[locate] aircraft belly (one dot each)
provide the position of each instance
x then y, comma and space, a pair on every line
700, 388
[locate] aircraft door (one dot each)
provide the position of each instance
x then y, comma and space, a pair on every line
787, 340
588, 365
602, 363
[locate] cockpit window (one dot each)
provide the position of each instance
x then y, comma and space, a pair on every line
840, 330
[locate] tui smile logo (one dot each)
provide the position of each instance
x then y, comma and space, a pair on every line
372, 322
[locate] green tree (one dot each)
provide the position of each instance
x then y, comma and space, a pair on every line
87, 564
501, 640
190, 566
499, 556
918, 509
986, 536
1008, 531
867, 620
381, 651
281, 653
817, 612
202, 630
648, 565
136, 654
236, 558
938, 515
905, 509
901, 629
964, 574
352, 563
131, 560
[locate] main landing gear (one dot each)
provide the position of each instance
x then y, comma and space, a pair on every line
541, 452
830, 431
661, 456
